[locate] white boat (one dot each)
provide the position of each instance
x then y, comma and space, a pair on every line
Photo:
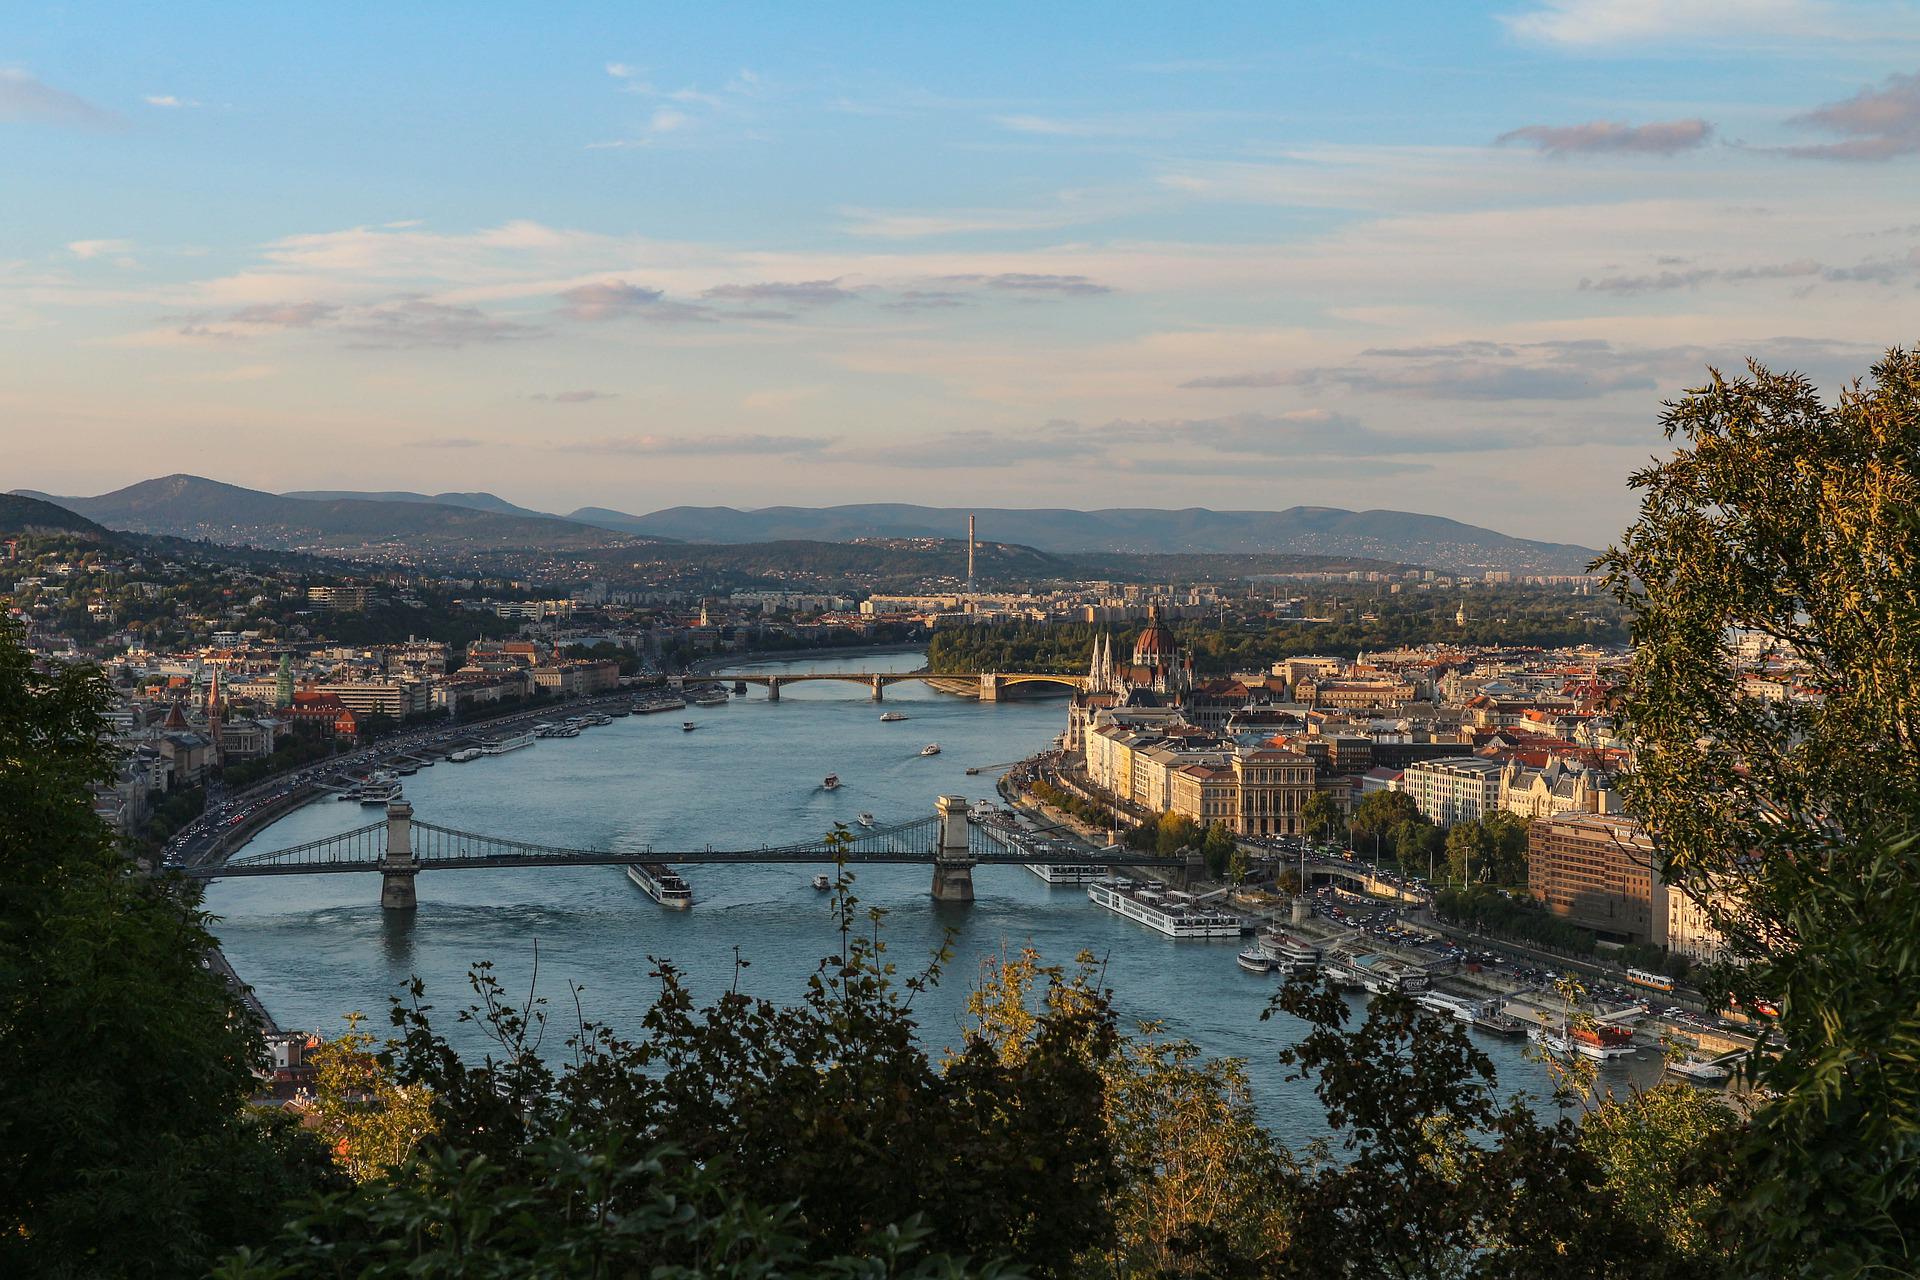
500, 746
982, 810
1699, 1068
866, 819
821, 882
1255, 959
463, 755
931, 749
1067, 872
1294, 953
891, 717
831, 782
379, 788
1167, 911
661, 884
688, 726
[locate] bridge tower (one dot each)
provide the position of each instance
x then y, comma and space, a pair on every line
773, 688
953, 861
989, 687
879, 689
398, 867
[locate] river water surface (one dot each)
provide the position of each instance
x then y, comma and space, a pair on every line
317, 947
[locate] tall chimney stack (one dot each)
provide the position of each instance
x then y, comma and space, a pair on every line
969, 555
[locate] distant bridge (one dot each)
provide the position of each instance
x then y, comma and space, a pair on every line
399, 848
992, 685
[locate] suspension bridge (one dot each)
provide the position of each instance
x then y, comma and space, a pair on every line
400, 847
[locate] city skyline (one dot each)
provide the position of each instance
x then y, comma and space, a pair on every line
1441, 261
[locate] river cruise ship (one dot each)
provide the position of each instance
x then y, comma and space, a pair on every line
661, 884
1167, 911
1067, 872
1289, 952
379, 788
1377, 974
463, 755
500, 746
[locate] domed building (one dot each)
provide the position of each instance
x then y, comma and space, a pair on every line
1159, 675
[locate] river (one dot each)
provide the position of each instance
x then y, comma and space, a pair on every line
317, 947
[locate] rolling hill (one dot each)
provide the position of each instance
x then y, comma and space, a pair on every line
21, 513
194, 507
343, 521
1329, 531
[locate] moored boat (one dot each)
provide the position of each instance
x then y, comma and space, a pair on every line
1699, 1068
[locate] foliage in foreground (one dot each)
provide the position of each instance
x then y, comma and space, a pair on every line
1796, 524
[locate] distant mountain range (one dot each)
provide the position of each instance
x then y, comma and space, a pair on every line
193, 507
188, 506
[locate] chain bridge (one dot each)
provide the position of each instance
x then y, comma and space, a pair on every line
400, 847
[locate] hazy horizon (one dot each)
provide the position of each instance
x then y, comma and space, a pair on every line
1443, 259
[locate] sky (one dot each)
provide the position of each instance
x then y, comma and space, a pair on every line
1446, 258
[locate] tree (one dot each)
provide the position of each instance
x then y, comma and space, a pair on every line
1470, 851
1175, 832
1320, 816
1794, 525
1438, 1177
1218, 848
1415, 843
1203, 1187
1380, 811
370, 1121
126, 1146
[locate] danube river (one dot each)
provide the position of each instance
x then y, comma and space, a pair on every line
316, 947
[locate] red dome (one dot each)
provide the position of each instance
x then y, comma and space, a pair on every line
1155, 647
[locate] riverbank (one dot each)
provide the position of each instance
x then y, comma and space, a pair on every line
702, 665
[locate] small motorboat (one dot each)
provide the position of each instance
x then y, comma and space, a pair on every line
931, 749
831, 782
688, 726
891, 717
821, 882
1255, 959
866, 819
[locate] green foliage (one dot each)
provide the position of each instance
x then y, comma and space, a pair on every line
1321, 816
1438, 1178
1175, 832
295, 750
1797, 522
1072, 805
1218, 848
562, 1211
1520, 919
1664, 1152
1492, 850
830, 1107
125, 1065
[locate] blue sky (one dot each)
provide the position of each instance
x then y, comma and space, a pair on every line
1437, 257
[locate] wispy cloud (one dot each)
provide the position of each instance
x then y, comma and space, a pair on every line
698, 446
446, 442
169, 101
608, 299
573, 397
1874, 124
1883, 270
1600, 136
25, 99
1604, 24
799, 293
86, 250
414, 322
286, 315
1561, 370
1032, 282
